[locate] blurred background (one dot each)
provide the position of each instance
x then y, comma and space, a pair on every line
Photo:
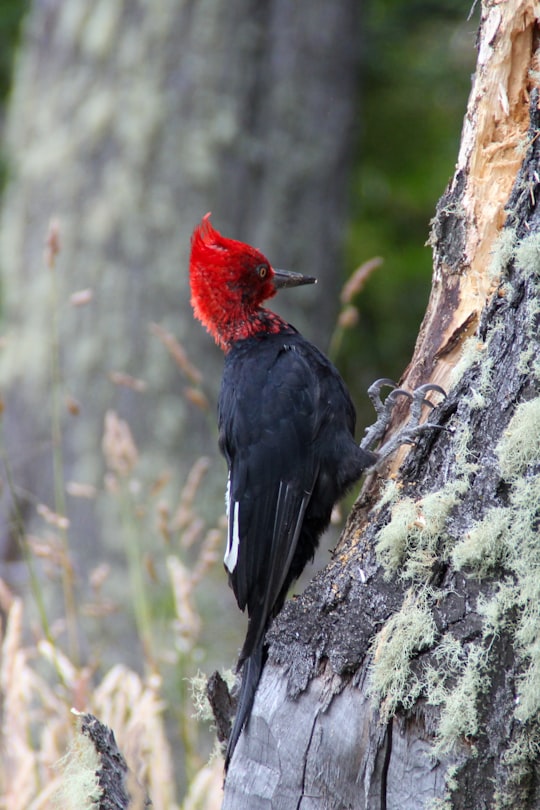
322, 135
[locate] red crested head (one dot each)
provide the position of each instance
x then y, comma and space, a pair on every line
229, 282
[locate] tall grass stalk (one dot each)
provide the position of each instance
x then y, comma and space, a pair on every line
68, 582
18, 528
139, 588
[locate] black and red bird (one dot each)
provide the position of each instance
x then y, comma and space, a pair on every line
286, 429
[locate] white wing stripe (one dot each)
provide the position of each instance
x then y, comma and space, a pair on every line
228, 496
233, 542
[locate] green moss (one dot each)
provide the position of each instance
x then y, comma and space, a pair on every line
408, 632
455, 685
520, 444
505, 537
526, 564
498, 611
465, 465
528, 362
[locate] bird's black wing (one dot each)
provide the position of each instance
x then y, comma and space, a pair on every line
269, 416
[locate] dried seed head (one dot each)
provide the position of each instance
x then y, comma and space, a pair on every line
359, 278
348, 317
52, 518
118, 446
78, 490
178, 353
81, 298
52, 243
127, 381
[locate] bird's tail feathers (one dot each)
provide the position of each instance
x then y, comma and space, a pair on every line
251, 673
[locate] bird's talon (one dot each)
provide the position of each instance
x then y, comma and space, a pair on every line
397, 392
374, 393
376, 386
412, 430
422, 389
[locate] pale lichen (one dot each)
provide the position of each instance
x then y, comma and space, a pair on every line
471, 353
458, 694
483, 547
408, 632
394, 537
507, 537
502, 254
520, 443
416, 535
521, 763
79, 787
527, 256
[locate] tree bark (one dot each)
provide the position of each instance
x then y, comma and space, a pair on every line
96, 774
406, 676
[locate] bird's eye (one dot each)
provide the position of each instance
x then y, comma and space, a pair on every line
262, 270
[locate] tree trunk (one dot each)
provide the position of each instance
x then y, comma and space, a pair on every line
407, 675
129, 121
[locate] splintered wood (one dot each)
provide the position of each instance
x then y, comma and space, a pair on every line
471, 214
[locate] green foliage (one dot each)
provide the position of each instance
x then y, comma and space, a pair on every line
418, 60
11, 15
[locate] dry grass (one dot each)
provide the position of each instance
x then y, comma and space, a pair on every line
40, 685
42, 678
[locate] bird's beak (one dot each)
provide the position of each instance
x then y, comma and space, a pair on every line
283, 278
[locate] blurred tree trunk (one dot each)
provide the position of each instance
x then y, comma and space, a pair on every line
407, 675
129, 121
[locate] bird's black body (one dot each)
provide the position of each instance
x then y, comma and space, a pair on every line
286, 428
286, 425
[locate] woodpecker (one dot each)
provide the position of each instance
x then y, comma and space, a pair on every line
286, 429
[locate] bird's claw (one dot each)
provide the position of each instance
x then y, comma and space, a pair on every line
374, 391
383, 409
412, 430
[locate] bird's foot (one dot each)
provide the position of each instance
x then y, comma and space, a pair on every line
384, 409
